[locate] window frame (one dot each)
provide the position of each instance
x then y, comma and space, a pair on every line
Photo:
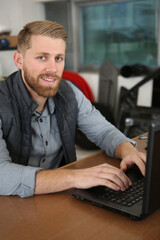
77, 35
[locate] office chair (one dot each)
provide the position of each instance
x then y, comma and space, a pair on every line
80, 82
108, 74
134, 120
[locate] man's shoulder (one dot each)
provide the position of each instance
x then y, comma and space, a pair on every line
66, 95
65, 83
6, 90
66, 87
10, 80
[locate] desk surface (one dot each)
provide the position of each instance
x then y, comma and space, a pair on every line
60, 216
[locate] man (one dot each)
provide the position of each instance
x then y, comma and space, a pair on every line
38, 117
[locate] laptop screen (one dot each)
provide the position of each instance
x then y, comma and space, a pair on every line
152, 180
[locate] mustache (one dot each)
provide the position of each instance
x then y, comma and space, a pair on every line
50, 75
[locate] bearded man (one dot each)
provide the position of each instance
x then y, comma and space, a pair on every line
39, 113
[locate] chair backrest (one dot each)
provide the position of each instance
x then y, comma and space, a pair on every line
133, 91
108, 74
128, 109
152, 75
80, 82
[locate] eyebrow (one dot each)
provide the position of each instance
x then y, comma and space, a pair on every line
45, 53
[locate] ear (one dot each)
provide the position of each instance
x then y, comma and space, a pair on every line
18, 60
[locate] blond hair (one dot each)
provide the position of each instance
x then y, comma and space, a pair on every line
45, 28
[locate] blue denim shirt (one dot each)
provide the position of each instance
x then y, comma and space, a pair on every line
47, 151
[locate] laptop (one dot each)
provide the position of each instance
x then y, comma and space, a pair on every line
143, 197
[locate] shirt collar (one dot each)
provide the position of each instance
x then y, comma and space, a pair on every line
49, 108
51, 105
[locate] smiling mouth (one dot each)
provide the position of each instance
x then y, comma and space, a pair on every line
48, 79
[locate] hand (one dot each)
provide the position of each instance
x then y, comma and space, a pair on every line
104, 174
135, 157
130, 156
48, 181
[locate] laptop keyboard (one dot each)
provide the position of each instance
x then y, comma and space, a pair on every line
127, 198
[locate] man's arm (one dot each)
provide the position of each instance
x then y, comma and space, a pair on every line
91, 122
107, 136
48, 181
15, 179
26, 181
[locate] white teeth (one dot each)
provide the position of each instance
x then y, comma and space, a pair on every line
48, 79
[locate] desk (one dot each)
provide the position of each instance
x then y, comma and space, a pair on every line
60, 216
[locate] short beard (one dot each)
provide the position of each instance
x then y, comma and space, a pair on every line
41, 90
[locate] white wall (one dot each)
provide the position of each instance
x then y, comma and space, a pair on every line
14, 15
9, 15
93, 81
7, 65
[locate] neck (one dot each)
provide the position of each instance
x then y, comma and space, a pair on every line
41, 105
41, 101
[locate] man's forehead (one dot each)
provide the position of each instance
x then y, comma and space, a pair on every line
45, 38
46, 44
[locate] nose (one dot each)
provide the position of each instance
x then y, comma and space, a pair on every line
51, 66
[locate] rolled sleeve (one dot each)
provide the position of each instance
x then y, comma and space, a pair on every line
15, 179
27, 184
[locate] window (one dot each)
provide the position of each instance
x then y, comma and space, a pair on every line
122, 32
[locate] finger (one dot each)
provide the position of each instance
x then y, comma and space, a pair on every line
141, 166
121, 181
143, 156
123, 166
111, 185
107, 183
117, 177
123, 177
138, 158
113, 174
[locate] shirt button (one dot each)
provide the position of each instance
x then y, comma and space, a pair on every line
41, 120
46, 143
43, 160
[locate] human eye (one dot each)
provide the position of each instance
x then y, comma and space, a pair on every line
59, 59
41, 58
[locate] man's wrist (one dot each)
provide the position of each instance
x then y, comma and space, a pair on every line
123, 149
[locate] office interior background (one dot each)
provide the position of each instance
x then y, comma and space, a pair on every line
116, 32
